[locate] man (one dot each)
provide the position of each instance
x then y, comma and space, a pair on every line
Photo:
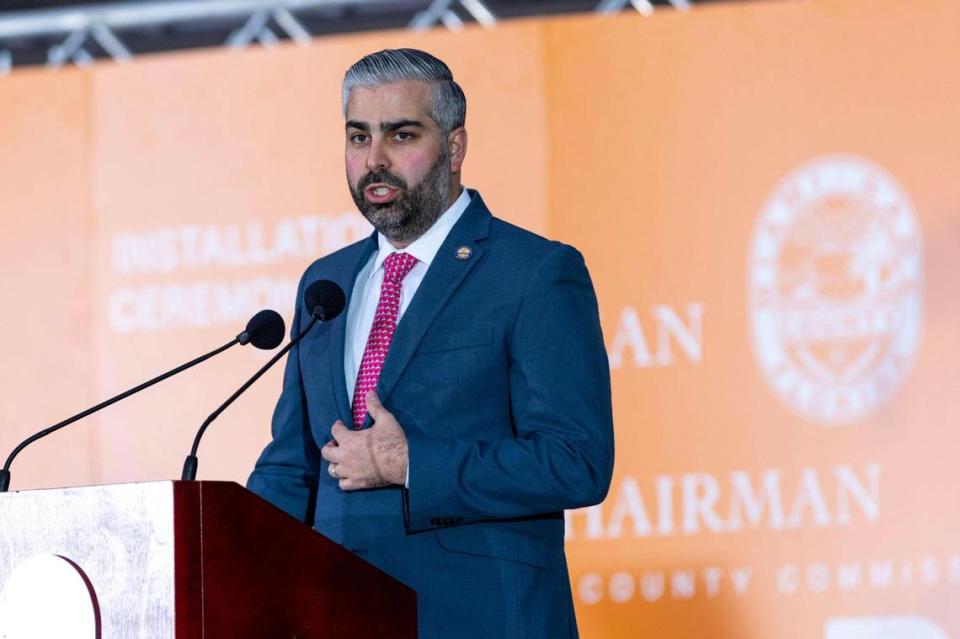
442, 423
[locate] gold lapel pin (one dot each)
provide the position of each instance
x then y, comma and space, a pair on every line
464, 253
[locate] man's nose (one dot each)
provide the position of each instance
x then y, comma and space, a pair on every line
377, 156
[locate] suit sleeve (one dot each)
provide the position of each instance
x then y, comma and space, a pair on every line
286, 472
561, 454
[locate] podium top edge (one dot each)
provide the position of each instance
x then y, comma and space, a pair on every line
172, 483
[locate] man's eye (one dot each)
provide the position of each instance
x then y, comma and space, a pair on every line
403, 136
358, 138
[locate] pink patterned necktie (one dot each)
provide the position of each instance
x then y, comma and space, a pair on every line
395, 268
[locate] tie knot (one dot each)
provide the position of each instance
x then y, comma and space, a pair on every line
397, 265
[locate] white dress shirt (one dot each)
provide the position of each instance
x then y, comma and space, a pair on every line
366, 288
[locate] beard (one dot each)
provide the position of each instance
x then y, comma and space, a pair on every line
415, 210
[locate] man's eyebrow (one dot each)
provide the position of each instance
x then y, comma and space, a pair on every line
386, 127
354, 124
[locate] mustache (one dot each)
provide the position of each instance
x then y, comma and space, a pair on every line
381, 177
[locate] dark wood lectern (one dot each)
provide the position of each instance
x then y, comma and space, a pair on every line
203, 559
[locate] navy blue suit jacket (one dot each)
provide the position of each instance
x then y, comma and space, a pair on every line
499, 377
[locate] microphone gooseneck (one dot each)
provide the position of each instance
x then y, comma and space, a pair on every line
259, 331
324, 300
5, 473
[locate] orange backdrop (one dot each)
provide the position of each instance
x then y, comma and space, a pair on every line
765, 196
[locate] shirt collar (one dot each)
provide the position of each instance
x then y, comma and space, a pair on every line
425, 247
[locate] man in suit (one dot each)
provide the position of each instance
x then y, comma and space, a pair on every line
442, 423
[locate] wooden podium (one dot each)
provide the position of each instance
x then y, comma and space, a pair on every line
202, 559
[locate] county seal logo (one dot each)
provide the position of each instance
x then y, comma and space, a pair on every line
836, 289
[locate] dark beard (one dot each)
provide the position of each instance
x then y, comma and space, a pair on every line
414, 211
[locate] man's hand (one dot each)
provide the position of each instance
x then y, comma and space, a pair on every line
370, 458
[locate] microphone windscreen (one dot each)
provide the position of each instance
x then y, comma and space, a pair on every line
324, 300
266, 329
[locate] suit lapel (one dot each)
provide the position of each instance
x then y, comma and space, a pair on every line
445, 274
339, 329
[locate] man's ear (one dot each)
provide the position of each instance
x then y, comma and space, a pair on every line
457, 146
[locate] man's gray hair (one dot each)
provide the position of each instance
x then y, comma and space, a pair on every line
448, 105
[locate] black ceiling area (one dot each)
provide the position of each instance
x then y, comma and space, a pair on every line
62, 32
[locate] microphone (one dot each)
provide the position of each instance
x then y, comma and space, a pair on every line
324, 300
264, 330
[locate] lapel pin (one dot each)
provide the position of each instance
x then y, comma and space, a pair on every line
464, 253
